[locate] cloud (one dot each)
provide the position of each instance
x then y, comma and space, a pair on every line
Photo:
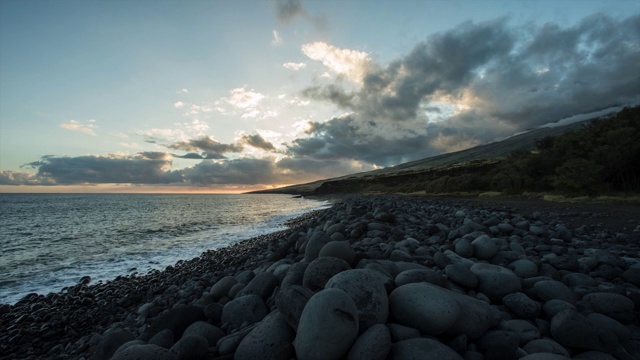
141, 168
182, 91
257, 142
86, 127
294, 66
210, 148
277, 39
352, 64
178, 104
289, 10
244, 102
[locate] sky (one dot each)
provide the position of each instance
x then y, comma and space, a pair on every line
231, 96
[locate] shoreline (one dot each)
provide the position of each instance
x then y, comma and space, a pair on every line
386, 235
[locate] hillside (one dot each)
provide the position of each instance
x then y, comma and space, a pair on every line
494, 150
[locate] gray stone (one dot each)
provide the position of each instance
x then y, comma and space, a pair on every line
484, 247
554, 306
605, 302
464, 248
603, 321
496, 281
525, 330
321, 270
127, 345
505, 228
594, 355
572, 329
270, 339
421, 349
499, 344
192, 347
314, 245
420, 275
425, 307
461, 276
262, 285
110, 342
524, 268
544, 356
235, 290
295, 274
545, 346
578, 279
400, 332
455, 259
475, 318
328, 326
291, 301
163, 339
176, 320
228, 344
373, 344
367, 292
521, 305
210, 332
138, 352
249, 309
550, 289
338, 249
221, 288
632, 276
399, 255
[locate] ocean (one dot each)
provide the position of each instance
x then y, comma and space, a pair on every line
50, 241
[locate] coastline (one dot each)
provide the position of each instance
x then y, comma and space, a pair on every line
404, 241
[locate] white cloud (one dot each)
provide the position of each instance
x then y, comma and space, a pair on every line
351, 63
86, 127
131, 145
183, 91
241, 98
178, 104
294, 66
298, 102
277, 40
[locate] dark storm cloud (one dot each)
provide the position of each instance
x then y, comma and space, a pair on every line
523, 75
211, 148
287, 10
142, 168
499, 79
258, 142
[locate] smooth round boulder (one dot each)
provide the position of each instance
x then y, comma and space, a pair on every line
270, 339
424, 307
572, 329
545, 356
547, 290
328, 326
338, 249
421, 349
606, 302
420, 275
137, 352
192, 347
464, 248
461, 276
368, 293
208, 331
249, 309
262, 285
545, 346
373, 344
321, 270
163, 339
110, 342
521, 305
291, 301
496, 281
524, 268
221, 288
484, 247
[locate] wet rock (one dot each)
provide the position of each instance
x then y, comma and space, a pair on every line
328, 326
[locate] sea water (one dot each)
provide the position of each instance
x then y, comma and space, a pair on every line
50, 241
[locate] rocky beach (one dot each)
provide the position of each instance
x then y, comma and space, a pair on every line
373, 277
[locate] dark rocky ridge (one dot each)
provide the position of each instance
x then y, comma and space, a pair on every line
374, 277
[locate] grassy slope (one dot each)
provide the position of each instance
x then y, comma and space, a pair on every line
488, 151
